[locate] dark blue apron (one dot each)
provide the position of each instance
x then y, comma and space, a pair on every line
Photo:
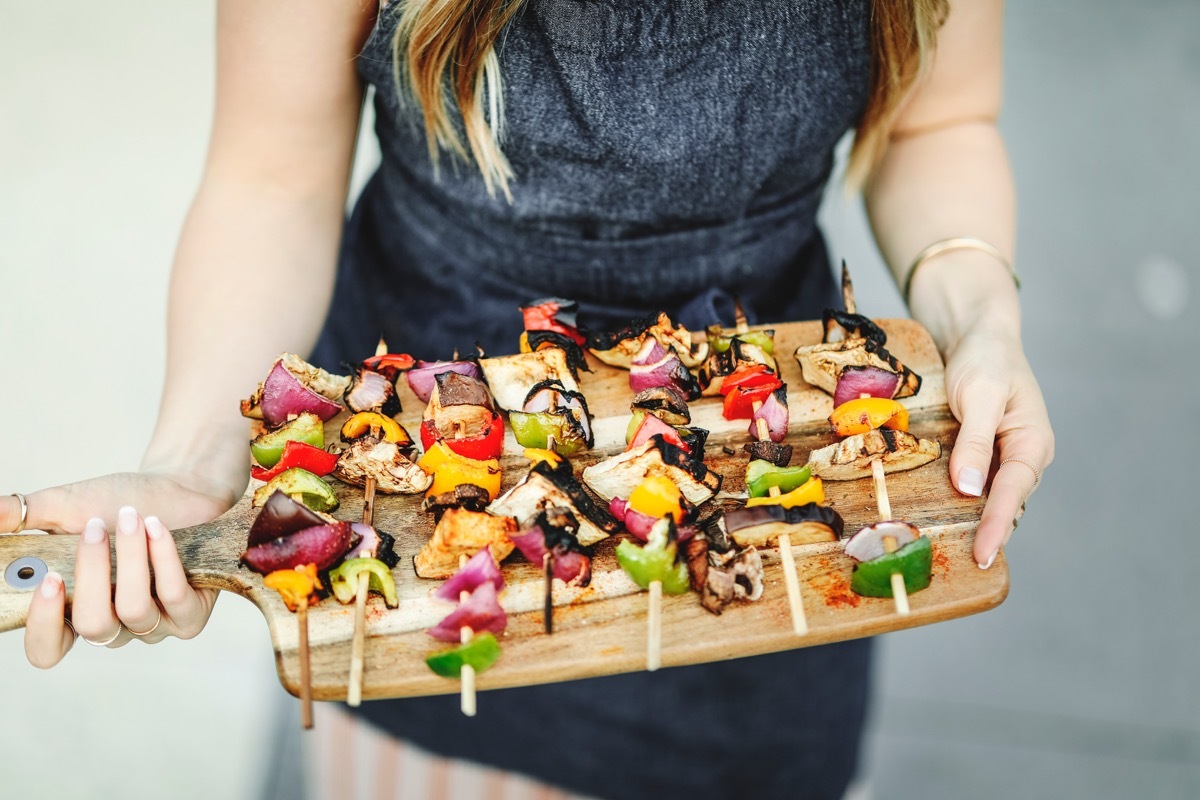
667, 156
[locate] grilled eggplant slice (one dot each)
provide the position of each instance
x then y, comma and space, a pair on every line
617, 348
620, 475
822, 364
761, 526
547, 487
850, 459
841, 325
512, 377
665, 402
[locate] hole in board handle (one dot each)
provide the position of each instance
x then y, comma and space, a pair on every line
25, 573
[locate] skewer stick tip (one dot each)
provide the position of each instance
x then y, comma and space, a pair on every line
654, 628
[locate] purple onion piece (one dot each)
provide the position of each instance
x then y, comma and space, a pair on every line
570, 566
854, 382
650, 426
651, 352
531, 543
635, 522
775, 411
480, 612
323, 545
867, 544
284, 395
368, 546
668, 371
421, 378
480, 569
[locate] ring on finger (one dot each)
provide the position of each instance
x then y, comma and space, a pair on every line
153, 627
74, 633
107, 641
1037, 475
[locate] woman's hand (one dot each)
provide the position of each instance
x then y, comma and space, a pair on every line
140, 607
992, 392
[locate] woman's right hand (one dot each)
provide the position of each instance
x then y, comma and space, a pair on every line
138, 607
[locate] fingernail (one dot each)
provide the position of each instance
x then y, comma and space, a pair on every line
970, 481
93, 532
990, 560
154, 527
127, 520
51, 584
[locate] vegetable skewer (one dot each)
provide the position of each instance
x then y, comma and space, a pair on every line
899, 593
306, 702
358, 645
467, 673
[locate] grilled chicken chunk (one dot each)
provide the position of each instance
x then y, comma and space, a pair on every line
462, 532
383, 461
851, 458
822, 364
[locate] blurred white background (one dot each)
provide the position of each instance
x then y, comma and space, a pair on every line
1081, 685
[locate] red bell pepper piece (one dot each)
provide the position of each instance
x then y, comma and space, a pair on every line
749, 375
739, 403
298, 454
486, 445
652, 426
397, 361
543, 318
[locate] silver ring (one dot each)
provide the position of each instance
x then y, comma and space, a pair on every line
1037, 476
153, 628
74, 633
107, 641
24, 512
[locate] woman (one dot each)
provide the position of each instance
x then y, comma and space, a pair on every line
664, 157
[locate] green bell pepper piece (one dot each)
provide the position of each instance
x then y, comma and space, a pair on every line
480, 653
344, 580
914, 561
299, 484
762, 475
656, 561
760, 339
533, 428
268, 448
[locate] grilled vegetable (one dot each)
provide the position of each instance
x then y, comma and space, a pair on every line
479, 654
449, 470
512, 377
421, 378
761, 526
665, 402
762, 476
811, 492
345, 577
822, 364
323, 545
850, 459
384, 461
295, 387
462, 532
554, 533
913, 561
617, 348
619, 475
267, 449
481, 612
547, 487
657, 560
311, 490
553, 314
862, 414
295, 585
298, 454
361, 423
372, 391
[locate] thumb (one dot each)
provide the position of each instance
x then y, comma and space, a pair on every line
980, 409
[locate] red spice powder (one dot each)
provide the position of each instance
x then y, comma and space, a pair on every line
941, 561
835, 591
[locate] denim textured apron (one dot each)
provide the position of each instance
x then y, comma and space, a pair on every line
667, 156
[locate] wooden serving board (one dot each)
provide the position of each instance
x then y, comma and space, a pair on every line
601, 629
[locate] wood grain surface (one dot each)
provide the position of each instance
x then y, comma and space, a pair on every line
601, 629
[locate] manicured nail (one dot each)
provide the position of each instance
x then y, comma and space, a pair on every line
127, 520
970, 481
990, 560
154, 527
93, 532
51, 585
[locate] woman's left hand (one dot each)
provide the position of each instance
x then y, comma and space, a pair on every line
992, 392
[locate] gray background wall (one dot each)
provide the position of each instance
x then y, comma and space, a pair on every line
1083, 684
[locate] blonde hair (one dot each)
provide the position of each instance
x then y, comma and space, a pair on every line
441, 44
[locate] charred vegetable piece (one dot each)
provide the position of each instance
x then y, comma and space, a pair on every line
481, 446
480, 568
854, 382
534, 430
617, 348
298, 454
773, 411
862, 414
657, 496
665, 402
462, 532
647, 426
822, 364
452, 389
390, 364
654, 365
841, 325
295, 585
693, 441
750, 375
736, 574
850, 459
374, 543
449, 470
739, 403
481, 612
720, 339
344, 580
479, 654
811, 492
322, 545
512, 377
547, 487
553, 314
740, 355
422, 377
554, 533
384, 461
914, 561
361, 423
657, 560
295, 387
778, 454
761, 526
312, 491
307, 428
538, 454
282, 516
762, 476
619, 475
536, 340
372, 391
465, 495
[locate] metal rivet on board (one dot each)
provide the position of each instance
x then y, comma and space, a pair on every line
25, 573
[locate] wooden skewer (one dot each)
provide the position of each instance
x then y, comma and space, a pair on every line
848, 290
790, 579
306, 704
899, 592
358, 645
654, 628
548, 563
467, 673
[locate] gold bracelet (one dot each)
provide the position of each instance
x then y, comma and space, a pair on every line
957, 243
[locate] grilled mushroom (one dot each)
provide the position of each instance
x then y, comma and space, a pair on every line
383, 461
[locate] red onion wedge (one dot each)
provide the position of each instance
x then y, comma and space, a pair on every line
854, 382
639, 524
323, 545
421, 378
775, 411
480, 612
480, 569
284, 396
655, 366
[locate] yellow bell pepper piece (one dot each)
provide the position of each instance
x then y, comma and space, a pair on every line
537, 454
811, 492
865, 413
294, 585
657, 496
363, 421
449, 469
